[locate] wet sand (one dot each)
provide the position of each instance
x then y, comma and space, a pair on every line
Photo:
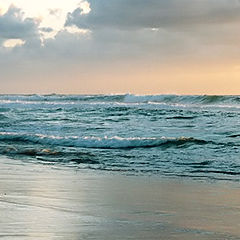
53, 202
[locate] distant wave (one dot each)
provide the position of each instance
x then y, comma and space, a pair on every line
182, 99
35, 98
97, 142
121, 98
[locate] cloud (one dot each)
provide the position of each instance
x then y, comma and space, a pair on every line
136, 29
135, 14
162, 29
123, 34
13, 25
55, 12
46, 29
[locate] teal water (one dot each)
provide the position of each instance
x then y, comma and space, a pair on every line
167, 135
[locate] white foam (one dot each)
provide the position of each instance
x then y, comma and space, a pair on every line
90, 142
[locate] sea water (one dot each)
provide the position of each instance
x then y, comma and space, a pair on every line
165, 135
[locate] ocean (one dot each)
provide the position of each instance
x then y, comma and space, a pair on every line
195, 137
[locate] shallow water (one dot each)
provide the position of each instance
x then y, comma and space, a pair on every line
167, 135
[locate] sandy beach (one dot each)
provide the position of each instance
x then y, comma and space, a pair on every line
56, 202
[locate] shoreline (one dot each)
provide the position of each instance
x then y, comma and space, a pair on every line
48, 202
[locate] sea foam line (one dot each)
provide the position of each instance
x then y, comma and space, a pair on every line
97, 142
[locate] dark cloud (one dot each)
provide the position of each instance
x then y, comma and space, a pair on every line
13, 25
160, 28
135, 14
46, 29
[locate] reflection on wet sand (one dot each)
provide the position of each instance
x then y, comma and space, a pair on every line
43, 202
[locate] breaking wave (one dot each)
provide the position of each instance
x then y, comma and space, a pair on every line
182, 99
97, 142
121, 98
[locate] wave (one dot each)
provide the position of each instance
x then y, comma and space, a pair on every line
48, 155
182, 99
125, 98
35, 98
3, 117
97, 142
105, 101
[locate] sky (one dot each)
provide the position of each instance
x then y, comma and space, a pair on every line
120, 46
